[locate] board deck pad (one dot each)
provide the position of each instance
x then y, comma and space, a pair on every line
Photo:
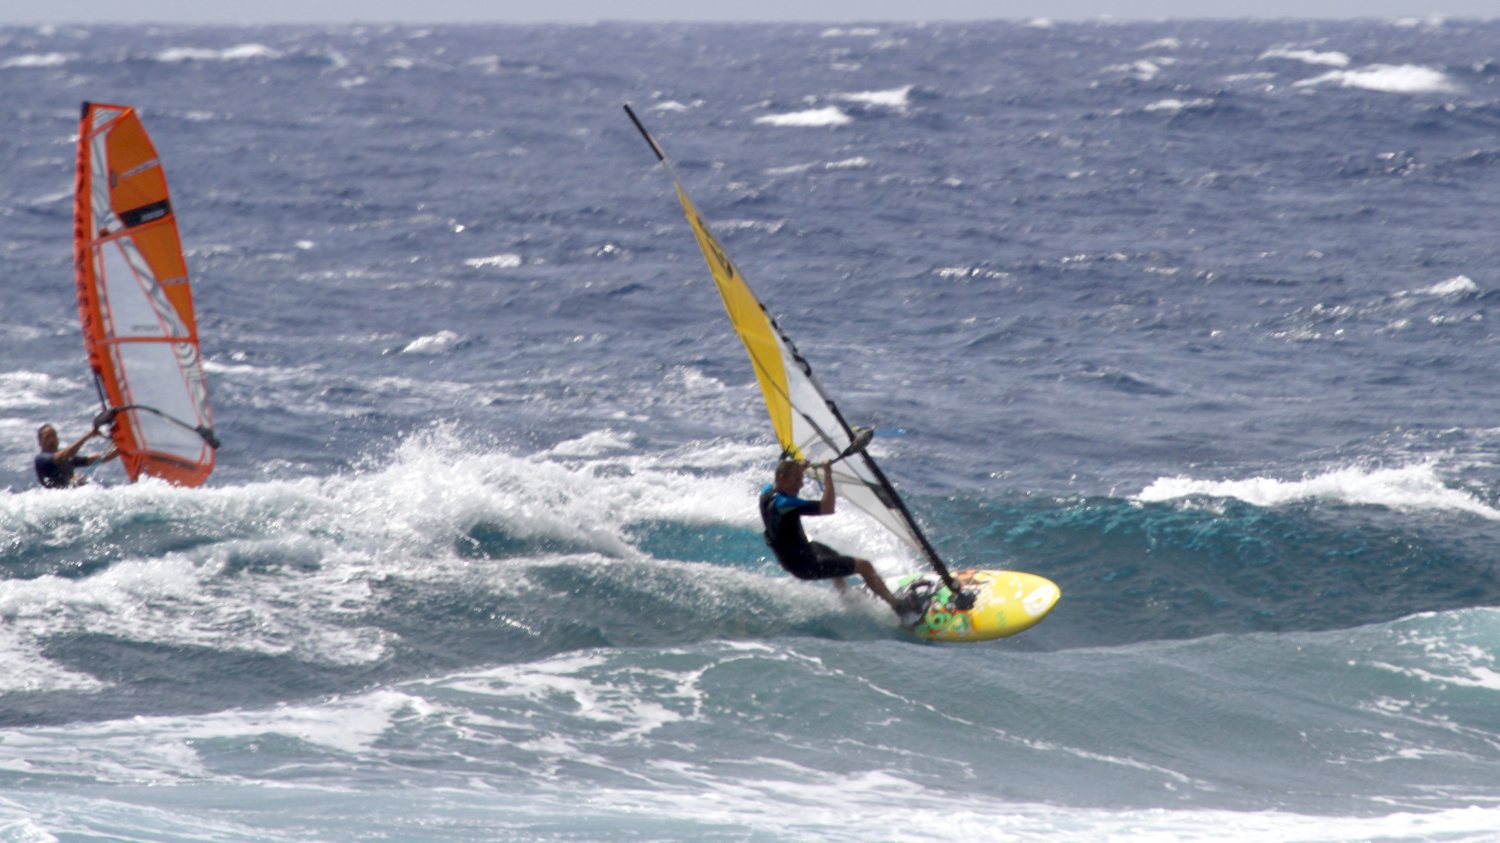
1006, 602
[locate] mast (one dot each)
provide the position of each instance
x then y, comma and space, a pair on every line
786, 377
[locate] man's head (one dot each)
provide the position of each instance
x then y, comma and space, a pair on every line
789, 476
46, 438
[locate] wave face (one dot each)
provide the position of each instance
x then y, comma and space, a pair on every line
1191, 318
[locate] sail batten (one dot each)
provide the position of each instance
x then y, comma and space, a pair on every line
806, 420
135, 302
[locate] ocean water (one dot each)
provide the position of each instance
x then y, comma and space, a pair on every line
1192, 318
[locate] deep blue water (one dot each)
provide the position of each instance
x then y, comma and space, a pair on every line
1192, 318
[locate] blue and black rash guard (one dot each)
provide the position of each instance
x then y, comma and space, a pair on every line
801, 558
53, 473
782, 514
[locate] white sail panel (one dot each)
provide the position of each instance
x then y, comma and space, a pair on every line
135, 303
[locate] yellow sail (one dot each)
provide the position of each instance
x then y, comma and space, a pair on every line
808, 424
754, 326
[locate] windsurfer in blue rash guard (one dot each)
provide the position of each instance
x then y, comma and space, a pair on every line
782, 511
54, 468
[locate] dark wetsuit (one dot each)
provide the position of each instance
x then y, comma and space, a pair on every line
58, 474
801, 558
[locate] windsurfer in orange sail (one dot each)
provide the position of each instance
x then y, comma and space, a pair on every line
55, 468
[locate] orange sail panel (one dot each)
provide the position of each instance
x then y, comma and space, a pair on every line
135, 302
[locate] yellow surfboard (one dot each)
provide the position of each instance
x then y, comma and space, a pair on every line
1005, 603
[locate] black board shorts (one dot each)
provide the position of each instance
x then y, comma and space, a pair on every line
818, 562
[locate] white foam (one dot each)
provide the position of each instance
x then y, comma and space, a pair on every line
501, 261
858, 162
37, 60
1144, 70
1445, 648
27, 831
1388, 78
789, 169
26, 390
812, 118
1431, 21
432, 344
1458, 285
851, 32
693, 381
249, 51
768, 226
592, 691
1331, 58
24, 668
183, 598
595, 444
275, 374
585, 492
1413, 487
1258, 76
1175, 105
318, 548
802, 803
163, 748
181, 54
241, 52
895, 98
970, 272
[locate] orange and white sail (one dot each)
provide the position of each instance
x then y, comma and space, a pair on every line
136, 304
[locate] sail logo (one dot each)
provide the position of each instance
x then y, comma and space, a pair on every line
712, 245
145, 213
